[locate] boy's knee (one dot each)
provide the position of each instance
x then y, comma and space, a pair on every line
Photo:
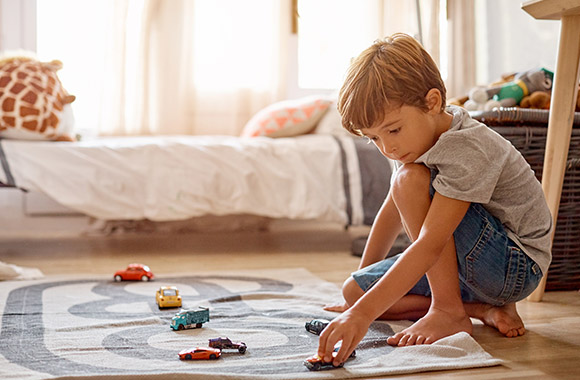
351, 291
412, 180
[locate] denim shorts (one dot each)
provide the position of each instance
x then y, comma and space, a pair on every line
492, 268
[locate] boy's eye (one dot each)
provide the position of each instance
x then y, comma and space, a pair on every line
396, 130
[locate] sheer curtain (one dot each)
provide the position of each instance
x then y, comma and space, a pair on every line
462, 47
192, 67
206, 66
333, 32
449, 36
418, 18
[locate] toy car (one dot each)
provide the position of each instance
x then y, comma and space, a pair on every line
226, 343
190, 319
167, 296
135, 272
316, 326
315, 362
200, 353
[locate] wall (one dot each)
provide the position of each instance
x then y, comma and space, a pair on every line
512, 40
17, 25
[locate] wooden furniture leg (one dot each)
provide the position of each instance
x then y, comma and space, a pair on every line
564, 96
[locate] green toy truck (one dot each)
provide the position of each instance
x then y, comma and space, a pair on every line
190, 319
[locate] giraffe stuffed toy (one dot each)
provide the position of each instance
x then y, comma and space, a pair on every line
33, 102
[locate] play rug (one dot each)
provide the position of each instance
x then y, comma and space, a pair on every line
92, 326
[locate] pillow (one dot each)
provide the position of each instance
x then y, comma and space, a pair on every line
331, 123
287, 118
34, 104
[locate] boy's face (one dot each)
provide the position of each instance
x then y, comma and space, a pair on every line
405, 133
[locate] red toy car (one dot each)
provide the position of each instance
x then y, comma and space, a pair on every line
200, 353
135, 272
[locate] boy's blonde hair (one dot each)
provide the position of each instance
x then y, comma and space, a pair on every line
392, 72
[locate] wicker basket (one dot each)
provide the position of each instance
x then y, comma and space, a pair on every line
526, 129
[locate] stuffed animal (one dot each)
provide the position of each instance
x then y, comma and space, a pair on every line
511, 93
537, 99
33, 102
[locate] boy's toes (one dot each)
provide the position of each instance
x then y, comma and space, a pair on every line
429, 340
420, 340
516, 332
402, 339
395, 339
411, 340
405, 340
415, 340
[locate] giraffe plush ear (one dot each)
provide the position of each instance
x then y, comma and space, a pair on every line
33, 101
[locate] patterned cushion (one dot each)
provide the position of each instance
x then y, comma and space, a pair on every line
331, 123
287, 118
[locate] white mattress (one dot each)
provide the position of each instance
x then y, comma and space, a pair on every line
178, 177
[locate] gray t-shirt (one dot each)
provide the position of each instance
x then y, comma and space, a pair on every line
476, 164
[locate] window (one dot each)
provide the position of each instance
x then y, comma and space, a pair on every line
331, 33
79, 42
224, 57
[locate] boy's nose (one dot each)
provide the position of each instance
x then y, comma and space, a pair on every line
389, 149
389, 153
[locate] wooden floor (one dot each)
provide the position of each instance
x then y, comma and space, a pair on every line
549, 350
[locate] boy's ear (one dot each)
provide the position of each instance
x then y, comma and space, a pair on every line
433, 100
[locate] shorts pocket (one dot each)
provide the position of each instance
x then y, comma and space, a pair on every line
515, 275
485, 266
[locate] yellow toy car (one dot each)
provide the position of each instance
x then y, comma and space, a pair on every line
167, 296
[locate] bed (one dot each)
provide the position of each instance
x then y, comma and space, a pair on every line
322, 177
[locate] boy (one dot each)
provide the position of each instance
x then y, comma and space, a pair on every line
471, 205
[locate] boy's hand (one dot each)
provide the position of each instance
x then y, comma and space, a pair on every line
337, 307
349, 327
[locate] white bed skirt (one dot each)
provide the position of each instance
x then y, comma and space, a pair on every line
180, 177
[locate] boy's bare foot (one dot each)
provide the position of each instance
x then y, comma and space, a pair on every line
504, 318
436, 324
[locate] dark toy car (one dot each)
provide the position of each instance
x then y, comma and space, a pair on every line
226, 343
315, 362
316, 326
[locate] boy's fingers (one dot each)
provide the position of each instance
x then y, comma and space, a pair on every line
340, 355
327, 354
322, 342
327, 343
343, 353
339, 308
334, 307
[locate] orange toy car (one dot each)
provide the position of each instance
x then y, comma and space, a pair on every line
135, 272
200, 353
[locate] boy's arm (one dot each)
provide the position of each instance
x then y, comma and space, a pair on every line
386, 227
442, 219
